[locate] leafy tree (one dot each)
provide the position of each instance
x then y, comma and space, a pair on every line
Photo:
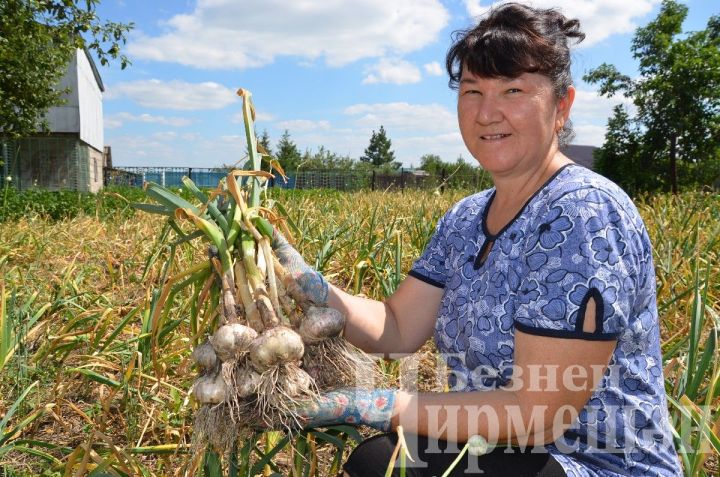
620, 157
37, 40
462, 167
326, 160
287, 153
432, 164
378, 152
676, 138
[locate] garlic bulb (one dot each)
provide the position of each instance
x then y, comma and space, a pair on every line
205, 357
320, 324
209, 390
274, 346
231, 340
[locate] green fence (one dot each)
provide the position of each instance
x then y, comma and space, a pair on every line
347, 180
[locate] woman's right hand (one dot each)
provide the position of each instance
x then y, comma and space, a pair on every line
354, 406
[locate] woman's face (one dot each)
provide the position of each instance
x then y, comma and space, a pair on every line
509, 124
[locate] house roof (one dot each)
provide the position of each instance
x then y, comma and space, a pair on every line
95, 71
582, 155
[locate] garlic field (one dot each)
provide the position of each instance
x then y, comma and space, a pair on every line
93, 382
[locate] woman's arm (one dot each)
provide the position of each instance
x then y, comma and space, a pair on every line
552, 381
400, 324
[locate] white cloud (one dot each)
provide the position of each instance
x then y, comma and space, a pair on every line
414, 129
589, 104
174, 94
113, 121
433, 69
404, 116
394, 71
590, 113
233, 139
165, 135
448, 146
599, 19
589, 134
301, 125
132, 150
176, 150
227, 34
110, 122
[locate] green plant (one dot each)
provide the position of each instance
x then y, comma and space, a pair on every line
101, 323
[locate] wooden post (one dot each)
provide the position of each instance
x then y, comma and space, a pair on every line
402, 179
442, 180
190, 173
373, 180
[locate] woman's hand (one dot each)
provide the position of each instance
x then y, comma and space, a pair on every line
310, 281
355, 406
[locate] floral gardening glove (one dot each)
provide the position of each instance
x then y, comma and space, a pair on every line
353, 406
312, 283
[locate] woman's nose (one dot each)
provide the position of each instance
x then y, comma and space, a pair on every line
488, 111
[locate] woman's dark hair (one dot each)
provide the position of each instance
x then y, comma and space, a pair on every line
512, 39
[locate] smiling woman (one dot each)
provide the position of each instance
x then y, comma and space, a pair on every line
535, 290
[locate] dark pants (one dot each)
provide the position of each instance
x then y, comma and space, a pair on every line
432, 458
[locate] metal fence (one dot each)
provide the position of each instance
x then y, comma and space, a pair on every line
47, 162
165, 176
346, 180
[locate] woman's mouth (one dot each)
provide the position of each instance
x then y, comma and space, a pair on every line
493, 137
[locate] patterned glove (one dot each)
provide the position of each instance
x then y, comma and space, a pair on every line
312, 283
354, 406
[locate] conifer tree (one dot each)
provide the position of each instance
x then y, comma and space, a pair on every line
378, 152
287, 153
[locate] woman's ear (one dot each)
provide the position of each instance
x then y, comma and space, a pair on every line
563, 108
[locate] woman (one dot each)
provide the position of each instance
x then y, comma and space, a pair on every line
540, 292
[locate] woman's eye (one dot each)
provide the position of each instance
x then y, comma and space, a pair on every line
471, 91
513, 90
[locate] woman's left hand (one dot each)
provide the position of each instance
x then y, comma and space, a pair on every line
311, 282
355, 406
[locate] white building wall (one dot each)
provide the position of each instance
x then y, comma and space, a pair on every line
90, 103
95, 174
66, 118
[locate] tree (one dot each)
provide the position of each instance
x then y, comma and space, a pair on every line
287, 153
620, 157
677, 97
326, 160
37, 40
432, 164
264, 141
378, 152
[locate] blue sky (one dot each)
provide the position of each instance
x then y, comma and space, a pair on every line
329, 71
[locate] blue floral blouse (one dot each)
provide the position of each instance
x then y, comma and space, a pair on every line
578, 237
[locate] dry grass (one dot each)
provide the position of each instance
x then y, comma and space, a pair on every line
110, 392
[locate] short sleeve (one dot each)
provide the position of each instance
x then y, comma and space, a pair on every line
582, 246
432, 266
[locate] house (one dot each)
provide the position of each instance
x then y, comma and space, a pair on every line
71, 155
